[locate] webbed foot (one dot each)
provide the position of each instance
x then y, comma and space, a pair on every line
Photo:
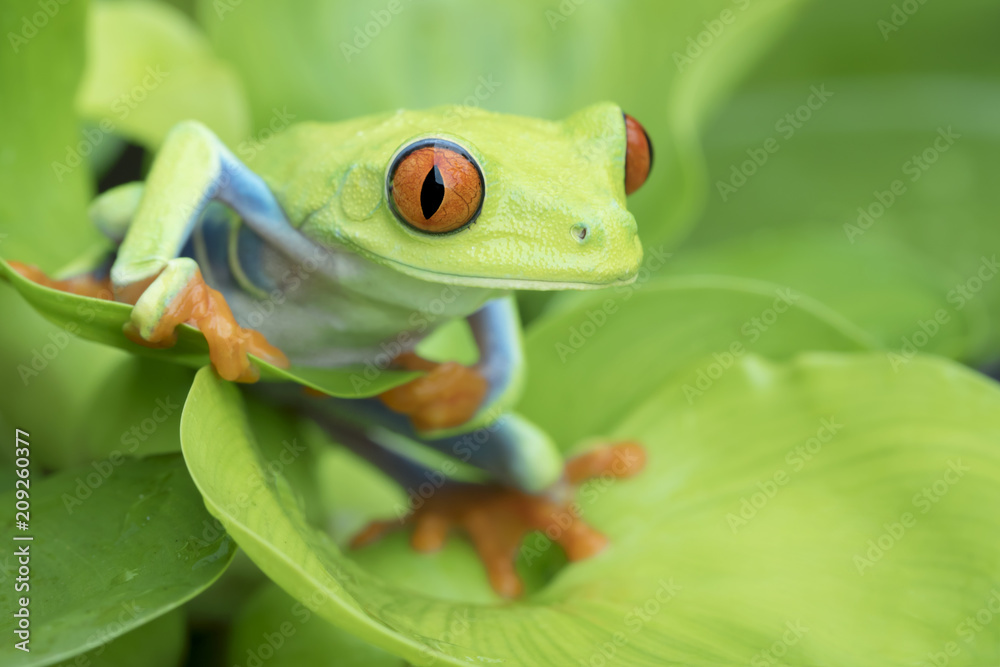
447, 396
196, 303
229, 344
497, 518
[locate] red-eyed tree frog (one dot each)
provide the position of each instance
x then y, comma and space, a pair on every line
394, 217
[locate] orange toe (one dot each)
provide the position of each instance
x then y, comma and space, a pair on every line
496, 519
447, 396
228, 343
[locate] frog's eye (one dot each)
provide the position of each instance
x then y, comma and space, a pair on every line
638, 157
435, 186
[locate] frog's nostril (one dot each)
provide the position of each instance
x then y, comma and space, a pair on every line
580, 231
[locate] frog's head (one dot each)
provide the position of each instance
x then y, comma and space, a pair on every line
476, 198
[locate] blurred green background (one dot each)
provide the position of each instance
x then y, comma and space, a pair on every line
780, 128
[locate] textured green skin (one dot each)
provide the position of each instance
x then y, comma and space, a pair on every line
542, 178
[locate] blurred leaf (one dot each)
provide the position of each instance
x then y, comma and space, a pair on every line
913, 103
833, 449
148, 68
139, 407
47, 372
116, 544
161, 642
879, 284
276, 629
333, 61
102, 321
42, 198
600, 355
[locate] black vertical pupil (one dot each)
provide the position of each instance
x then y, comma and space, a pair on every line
432, 193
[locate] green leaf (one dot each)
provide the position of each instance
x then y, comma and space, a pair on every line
115, 545
896, 294
277, 630
598, 356
42, 204
161, 642
774, 508
102, 321
148, 68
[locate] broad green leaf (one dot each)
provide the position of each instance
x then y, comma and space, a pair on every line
597, 357
148, 68
102, 321
42, 200
784, 516
161, 642
277, 630
115, 545
906, 300
333, 61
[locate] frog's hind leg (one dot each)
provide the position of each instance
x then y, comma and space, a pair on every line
495, 516
511, 449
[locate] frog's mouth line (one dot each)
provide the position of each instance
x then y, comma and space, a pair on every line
500, 283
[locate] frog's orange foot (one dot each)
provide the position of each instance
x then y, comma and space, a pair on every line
229, 344
85, 285
497, 518
447, 396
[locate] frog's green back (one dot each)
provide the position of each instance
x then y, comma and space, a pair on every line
553, 215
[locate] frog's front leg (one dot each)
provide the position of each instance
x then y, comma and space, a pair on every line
451, 396
192, 169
